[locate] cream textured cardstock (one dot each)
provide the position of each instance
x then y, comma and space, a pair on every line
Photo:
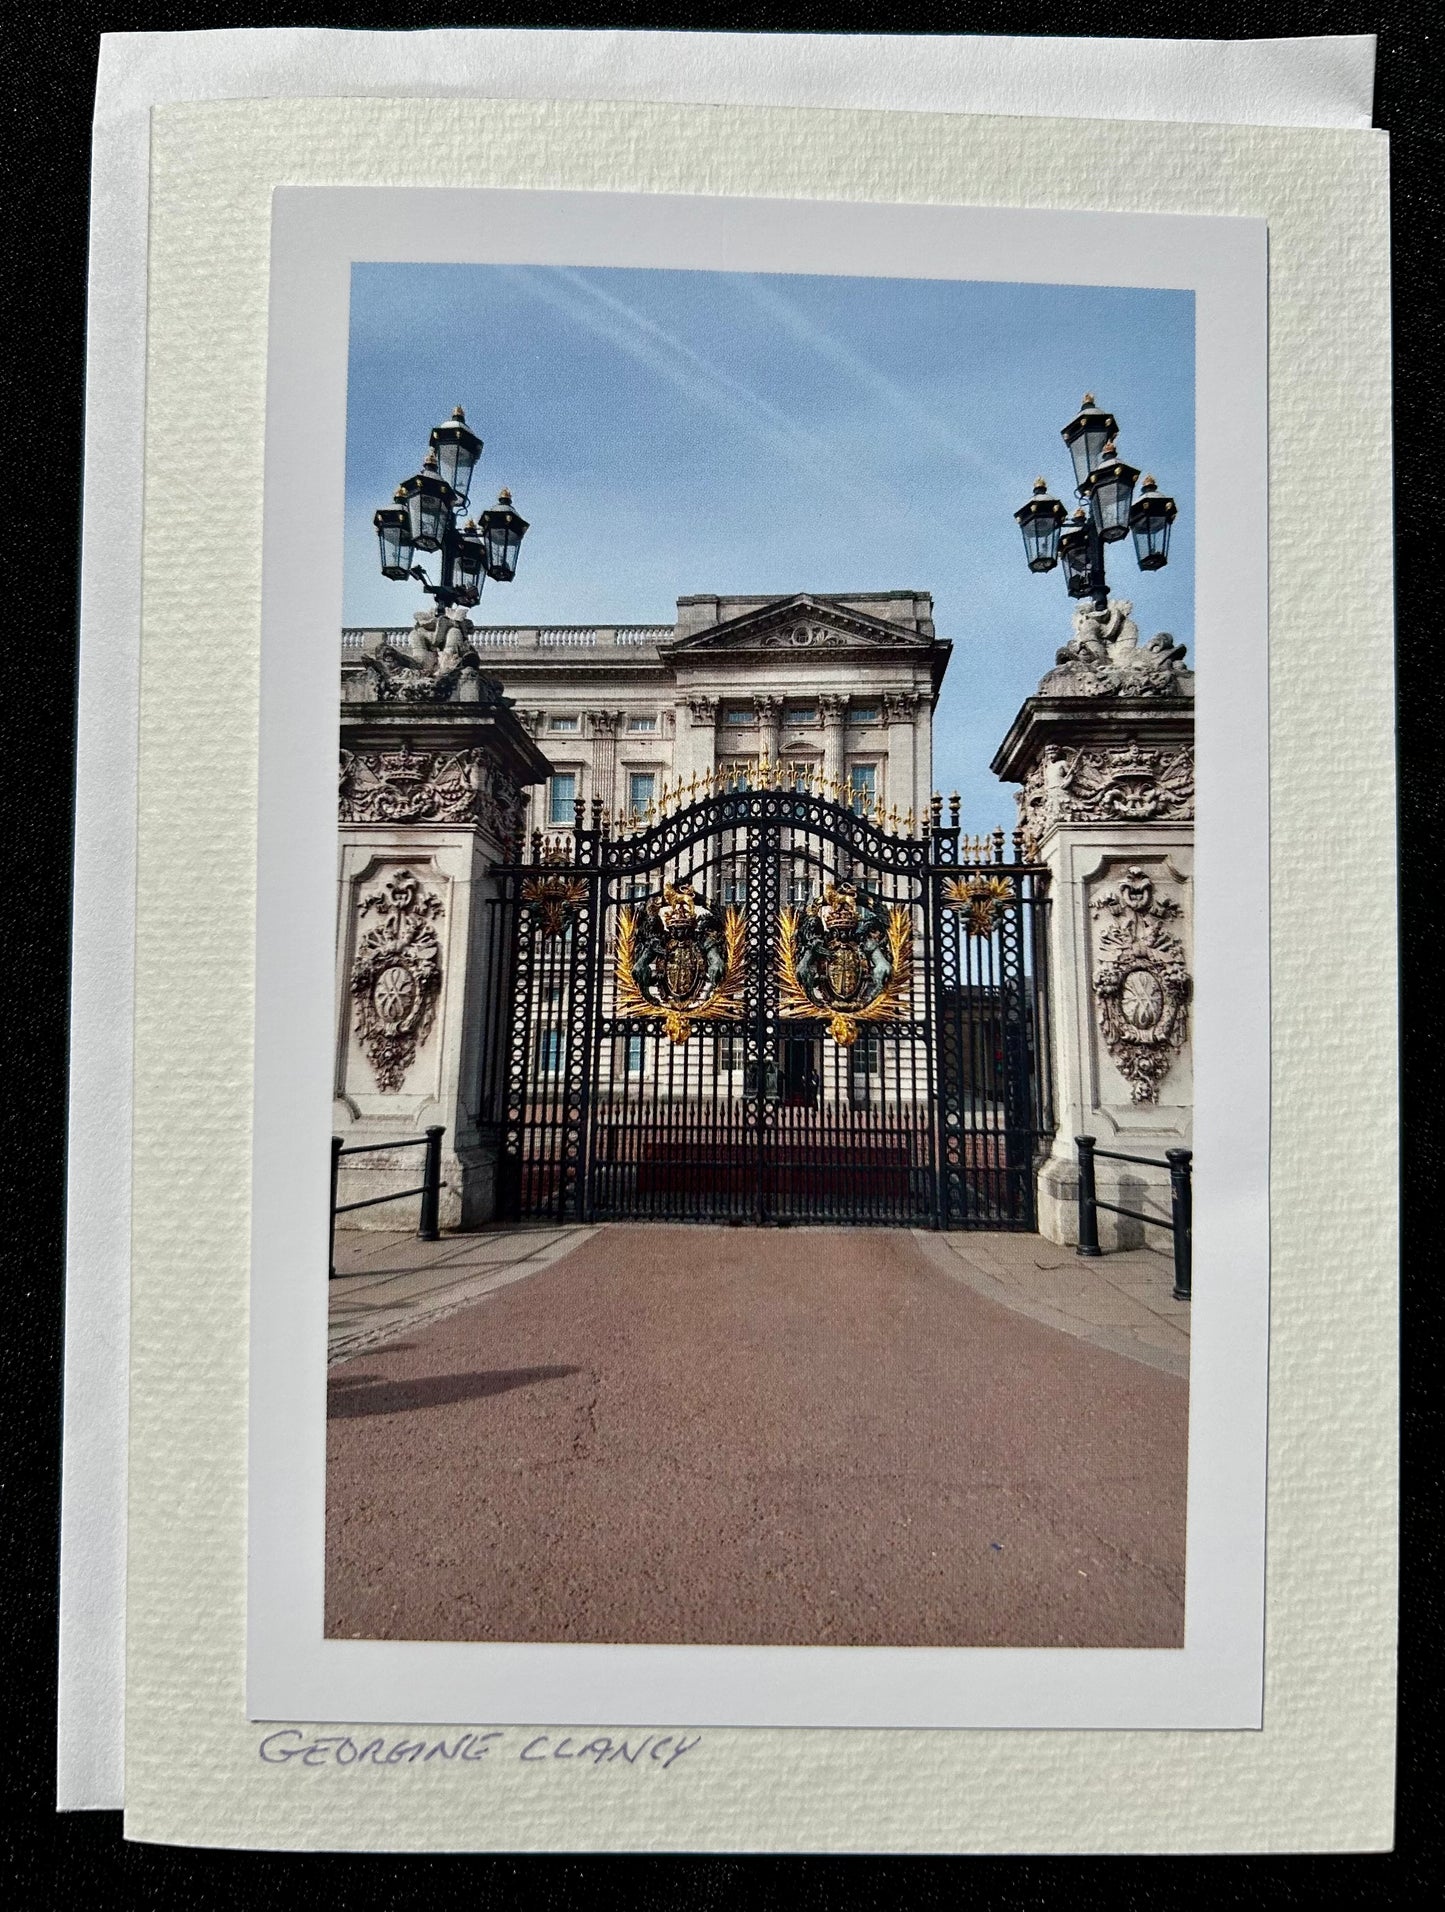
1320, 1774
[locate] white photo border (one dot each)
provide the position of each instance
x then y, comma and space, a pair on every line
293, 1672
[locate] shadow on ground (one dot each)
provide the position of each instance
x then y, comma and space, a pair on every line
351, 1396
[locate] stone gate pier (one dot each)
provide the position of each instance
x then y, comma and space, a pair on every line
1104, 754
434, 766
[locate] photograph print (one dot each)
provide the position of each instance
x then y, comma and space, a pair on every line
761, 1170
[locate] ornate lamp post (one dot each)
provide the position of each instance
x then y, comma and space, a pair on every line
1109, 511
423, 517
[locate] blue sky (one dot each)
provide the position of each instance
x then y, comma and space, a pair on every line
676, 432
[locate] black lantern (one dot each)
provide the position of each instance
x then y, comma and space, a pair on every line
1150, 520
457, 449
424, 514
1075, 555
502, 532
470, 555
393, 531
1087, 435
429, 500
1040, 520
1109, 489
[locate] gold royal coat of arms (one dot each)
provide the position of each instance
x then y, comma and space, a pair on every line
848, 956
680, 959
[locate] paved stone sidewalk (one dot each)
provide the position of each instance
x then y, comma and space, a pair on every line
1122, 1301
388, 1283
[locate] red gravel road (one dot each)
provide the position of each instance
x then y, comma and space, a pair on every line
787, 1437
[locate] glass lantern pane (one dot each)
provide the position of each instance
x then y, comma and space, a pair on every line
434, 517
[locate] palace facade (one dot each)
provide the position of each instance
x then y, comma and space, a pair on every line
841, 689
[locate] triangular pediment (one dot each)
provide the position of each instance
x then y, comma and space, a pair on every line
801, 623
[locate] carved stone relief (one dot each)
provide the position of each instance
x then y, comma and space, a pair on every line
407, 786
396, 975
1104, 658
805, 636
899, 706
1123, 783
1141, 984
439, 665
704, 712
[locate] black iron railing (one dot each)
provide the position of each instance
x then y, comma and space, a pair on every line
428, 1228
1179, 1163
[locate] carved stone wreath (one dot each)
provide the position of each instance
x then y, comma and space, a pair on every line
1141, 983
396, 975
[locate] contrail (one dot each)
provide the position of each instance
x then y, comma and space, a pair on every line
900, 402
703, 382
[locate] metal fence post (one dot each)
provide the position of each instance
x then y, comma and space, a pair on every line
431, 1194
1088, 1200
335, 1172
1181, 1190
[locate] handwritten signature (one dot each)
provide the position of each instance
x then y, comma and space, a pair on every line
289, 1743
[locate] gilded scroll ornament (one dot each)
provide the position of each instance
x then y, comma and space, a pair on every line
848, 957
980, 897
680, 959
553, 900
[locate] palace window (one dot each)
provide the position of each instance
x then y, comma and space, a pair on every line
641, 789
737, 719
633, 1056
564, 723
862, 785
562, 796
738, 772
730, 1054
862, 713
801, 714
866, 1055
735, 889
641, 720
549, 1052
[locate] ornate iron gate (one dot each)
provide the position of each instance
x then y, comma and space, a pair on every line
763, 1007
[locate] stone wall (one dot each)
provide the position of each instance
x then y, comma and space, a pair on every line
1104, 755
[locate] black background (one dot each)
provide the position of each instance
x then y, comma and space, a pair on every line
50, 1860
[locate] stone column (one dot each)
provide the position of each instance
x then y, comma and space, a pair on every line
430, 803
835, 716
700, 752
1105, 755
901, 782
770, 717
603, 726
